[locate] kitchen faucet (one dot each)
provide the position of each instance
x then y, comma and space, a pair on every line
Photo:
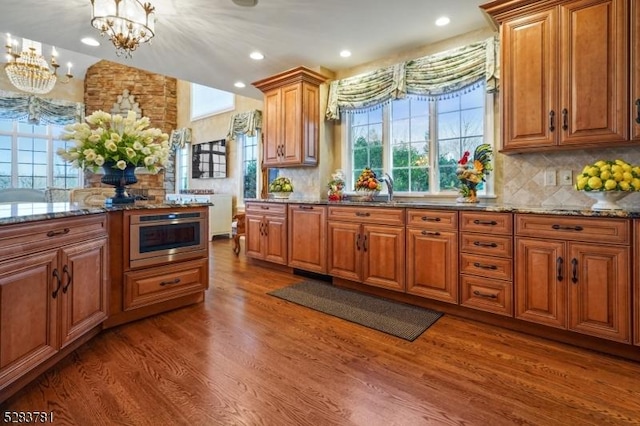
389, 181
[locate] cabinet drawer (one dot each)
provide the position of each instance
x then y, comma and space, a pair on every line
598, 229
266, 209
433, 219
492, 245
378, 215
487, 222
154, 285
486, 266
24, 238
487, 295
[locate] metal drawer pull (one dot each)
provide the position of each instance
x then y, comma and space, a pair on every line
565, 123
483, 266
430, 233
485, 222
481, 244
574, 273
176, 281
567, 228
488, 296
65, 270
638, 109
552, 119
264, 207
358, 242
305, 207
56, 274
559, 263
433, 219
60, 232
361, 214
364, 243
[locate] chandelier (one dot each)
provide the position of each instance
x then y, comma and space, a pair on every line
127, 23
27, 68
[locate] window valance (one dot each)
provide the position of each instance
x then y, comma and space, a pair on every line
429, 77
37, 110
245, 122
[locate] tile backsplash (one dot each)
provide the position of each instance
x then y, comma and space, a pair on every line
523, 176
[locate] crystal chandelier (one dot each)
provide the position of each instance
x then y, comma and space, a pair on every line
127, 23
28, 70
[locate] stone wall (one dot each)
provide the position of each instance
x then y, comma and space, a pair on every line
157, 98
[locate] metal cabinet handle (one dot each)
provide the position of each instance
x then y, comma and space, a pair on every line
565, 119
488, 296
567, 228
305, 207
363, 214
56, 275
552, 120
358, 242
574, 268
481, 244
264, 207
65, 270
483, 266
266, 229
430, 233
59, 232
638, 111
176, 281
364, 243
559, 263
433, 219
485, 222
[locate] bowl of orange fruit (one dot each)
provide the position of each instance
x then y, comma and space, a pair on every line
367, 186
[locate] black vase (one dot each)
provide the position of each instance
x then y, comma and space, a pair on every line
119, 179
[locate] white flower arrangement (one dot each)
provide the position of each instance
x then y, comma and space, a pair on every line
120, 140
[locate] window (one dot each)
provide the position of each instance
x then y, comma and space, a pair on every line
182, 168
206, 101
28, 157
249, 165
419, 142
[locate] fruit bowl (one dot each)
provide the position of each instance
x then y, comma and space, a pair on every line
281, 195
606, 200
365, 194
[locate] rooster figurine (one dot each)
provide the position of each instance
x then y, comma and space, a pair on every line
471, 173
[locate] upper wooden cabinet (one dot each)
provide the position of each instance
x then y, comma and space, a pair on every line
564, 73
291, 118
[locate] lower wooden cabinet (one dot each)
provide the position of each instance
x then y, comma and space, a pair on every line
573, 281
636, 272
52, 296
266, 232
307, 237
369, 252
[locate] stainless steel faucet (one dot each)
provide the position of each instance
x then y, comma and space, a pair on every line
389, 181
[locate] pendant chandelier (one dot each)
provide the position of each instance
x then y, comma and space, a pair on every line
28, 70
127, 23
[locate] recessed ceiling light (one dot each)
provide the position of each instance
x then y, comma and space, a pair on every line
89, 41
442, 21
256, 55
239, 84
345, 53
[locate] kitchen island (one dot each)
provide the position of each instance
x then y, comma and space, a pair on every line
566, 273
67, 272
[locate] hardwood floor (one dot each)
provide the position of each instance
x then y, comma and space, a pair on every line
245, 358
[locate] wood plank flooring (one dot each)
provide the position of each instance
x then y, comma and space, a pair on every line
245, 358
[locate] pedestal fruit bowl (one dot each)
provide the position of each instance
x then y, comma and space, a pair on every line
281, 187
608, 182
367, 186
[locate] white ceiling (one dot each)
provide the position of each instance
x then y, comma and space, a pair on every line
208, 41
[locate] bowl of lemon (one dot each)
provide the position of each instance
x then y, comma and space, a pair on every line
608, 182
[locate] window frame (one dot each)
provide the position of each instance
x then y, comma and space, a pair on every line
488, 137
240, 140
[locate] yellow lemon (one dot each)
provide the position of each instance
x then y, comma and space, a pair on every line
618, 176
625, 186
627, 176
586, 169
636, 184
594, 182
616, 168
636, 170
599, 163
582, 182
593, 171
604, 175
620, 162
606, 167
610, 184
626, 167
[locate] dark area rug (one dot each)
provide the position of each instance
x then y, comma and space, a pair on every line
395, 318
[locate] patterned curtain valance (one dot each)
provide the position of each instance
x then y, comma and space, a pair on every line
37, 110
245, 122
430, 77
179, 138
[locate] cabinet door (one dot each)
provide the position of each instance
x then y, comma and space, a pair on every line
594, 66
540, 286
382, 248
599, 284
529, 91
291, 124
635, 70
308, 238
432, 269
28, 312
275, 246
310, 123
253, 237
84, 288
271, 131
344, 246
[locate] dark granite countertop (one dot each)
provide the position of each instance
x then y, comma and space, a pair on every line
11, 213
481, 206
